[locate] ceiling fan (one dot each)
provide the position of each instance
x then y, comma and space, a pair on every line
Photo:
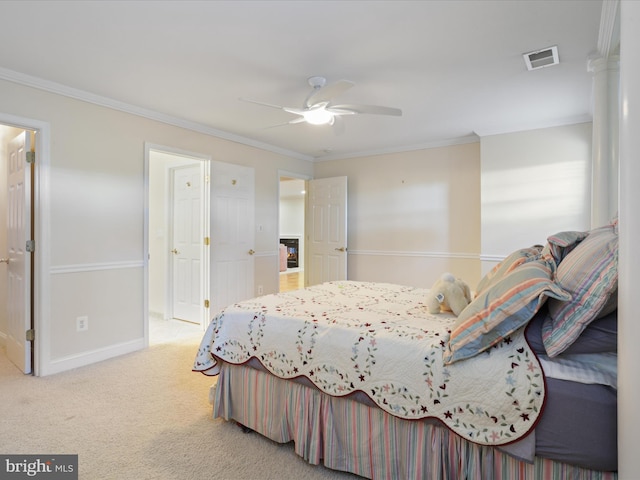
318, 108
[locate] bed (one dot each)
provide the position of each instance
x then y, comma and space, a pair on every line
364, 379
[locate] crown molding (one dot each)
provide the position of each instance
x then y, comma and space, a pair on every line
499, 130
473, 138
77, 94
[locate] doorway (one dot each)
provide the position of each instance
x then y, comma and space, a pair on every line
178, 256
291, 214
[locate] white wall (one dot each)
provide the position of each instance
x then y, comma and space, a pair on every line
534, 184
413, 215
95, 218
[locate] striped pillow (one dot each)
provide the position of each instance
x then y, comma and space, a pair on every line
502, 309
590, 274
505, 266
561, 244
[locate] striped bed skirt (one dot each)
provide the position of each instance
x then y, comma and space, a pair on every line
345, 435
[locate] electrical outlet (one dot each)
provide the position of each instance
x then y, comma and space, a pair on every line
260, 290
82, 323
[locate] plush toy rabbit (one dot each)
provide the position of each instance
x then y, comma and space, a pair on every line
448, 294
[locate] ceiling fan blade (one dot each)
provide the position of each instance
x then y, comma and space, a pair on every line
297, 111
279, 107
367, 109
327, 93
295, 120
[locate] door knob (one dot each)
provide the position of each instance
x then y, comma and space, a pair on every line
175, 251
341, 249
251, 252
4, 260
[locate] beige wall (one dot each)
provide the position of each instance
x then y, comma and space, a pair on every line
413, 215
95, 218
534, 184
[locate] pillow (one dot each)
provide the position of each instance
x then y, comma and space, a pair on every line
600, 336
502, 309
590, 274
505, 266
610, 306
559, 245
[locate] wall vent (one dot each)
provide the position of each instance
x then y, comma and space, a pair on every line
542, 58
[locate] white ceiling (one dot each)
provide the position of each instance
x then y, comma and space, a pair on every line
455, 68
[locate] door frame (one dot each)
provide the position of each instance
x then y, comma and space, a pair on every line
40, 281
206, 159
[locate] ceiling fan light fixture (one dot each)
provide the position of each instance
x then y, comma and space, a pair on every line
318, 116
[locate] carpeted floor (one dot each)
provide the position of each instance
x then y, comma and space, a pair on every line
140, 416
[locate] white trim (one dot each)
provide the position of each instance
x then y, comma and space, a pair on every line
288, 174
57, 88
492, 258
387, 253
180, 152
95, 267
409, 148
94, 356
383, 253
524, 127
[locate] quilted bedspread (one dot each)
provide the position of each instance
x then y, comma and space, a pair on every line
380, 339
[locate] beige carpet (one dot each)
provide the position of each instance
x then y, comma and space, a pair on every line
141, 416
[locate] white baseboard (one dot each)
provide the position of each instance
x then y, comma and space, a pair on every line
87, 358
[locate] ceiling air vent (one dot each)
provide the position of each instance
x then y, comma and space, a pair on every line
542, 58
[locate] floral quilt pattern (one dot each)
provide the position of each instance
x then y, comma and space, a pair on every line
380, 339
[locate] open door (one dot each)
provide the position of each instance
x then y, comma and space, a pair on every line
188, 242
232, 234
327, 230
20, 247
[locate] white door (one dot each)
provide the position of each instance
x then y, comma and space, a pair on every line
232, 234
19, 265
187, 243
327, 230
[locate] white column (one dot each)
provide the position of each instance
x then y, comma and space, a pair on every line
604, 174
629, 259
